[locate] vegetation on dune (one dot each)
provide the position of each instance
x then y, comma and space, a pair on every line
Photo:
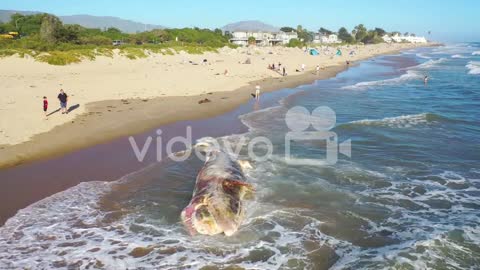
47, 39
360, 34
133, 53
44, 37
345, 36
59, 58
324, 31
294, 42
305, 35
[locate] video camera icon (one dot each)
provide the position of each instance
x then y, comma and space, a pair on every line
322, 119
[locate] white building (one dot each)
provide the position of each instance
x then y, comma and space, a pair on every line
327, 39
387, 39
262, 38
285, 37
411, 39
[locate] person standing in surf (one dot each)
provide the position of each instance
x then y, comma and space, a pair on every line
257, 92
425, 80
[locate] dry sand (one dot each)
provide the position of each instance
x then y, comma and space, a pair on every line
117, 96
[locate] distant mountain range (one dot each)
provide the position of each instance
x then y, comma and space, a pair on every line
129, 26
250, 26
91, 21
5, 14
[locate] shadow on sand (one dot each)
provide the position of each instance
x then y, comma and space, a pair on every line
71, 108
74, 107
57, 110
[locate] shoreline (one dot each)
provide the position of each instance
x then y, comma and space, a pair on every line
104, 126
104, 121
113, 158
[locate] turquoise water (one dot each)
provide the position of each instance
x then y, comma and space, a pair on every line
407, 198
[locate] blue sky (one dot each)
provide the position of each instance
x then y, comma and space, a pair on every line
454, 20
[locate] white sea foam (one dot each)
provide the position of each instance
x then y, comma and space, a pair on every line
69, 231
474, 67
266, 119
426, 242
422, 55
458, 56
412, 223
37, 234
452, 49
429, 64
412, 74
403, 121
409, 76
476, 53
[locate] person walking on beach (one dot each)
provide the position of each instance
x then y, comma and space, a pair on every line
45, 105
303, 67
317, 69
63, 98
257, 92
284, 73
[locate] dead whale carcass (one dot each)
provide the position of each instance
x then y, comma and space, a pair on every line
217, 204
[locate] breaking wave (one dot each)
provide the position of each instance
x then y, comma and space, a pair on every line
429, 64
403, 121
386, 216
409, 76
474, 67
476, 53
458, 56
55, 230
421, 55
453, 49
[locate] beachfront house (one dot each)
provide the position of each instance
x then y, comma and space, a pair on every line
285, 37
262, 38
326, 39
387, 39
410, 39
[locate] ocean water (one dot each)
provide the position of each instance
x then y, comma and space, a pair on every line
407, 198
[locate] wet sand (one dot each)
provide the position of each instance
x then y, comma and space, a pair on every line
110, 159
106, 120
95, 145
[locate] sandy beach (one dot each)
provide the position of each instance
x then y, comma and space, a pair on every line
88, 200
291, 135
112, 97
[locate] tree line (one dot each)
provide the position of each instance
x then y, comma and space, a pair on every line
43, 31
359, 34
46, 32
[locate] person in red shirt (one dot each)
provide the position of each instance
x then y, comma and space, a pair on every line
45, 105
